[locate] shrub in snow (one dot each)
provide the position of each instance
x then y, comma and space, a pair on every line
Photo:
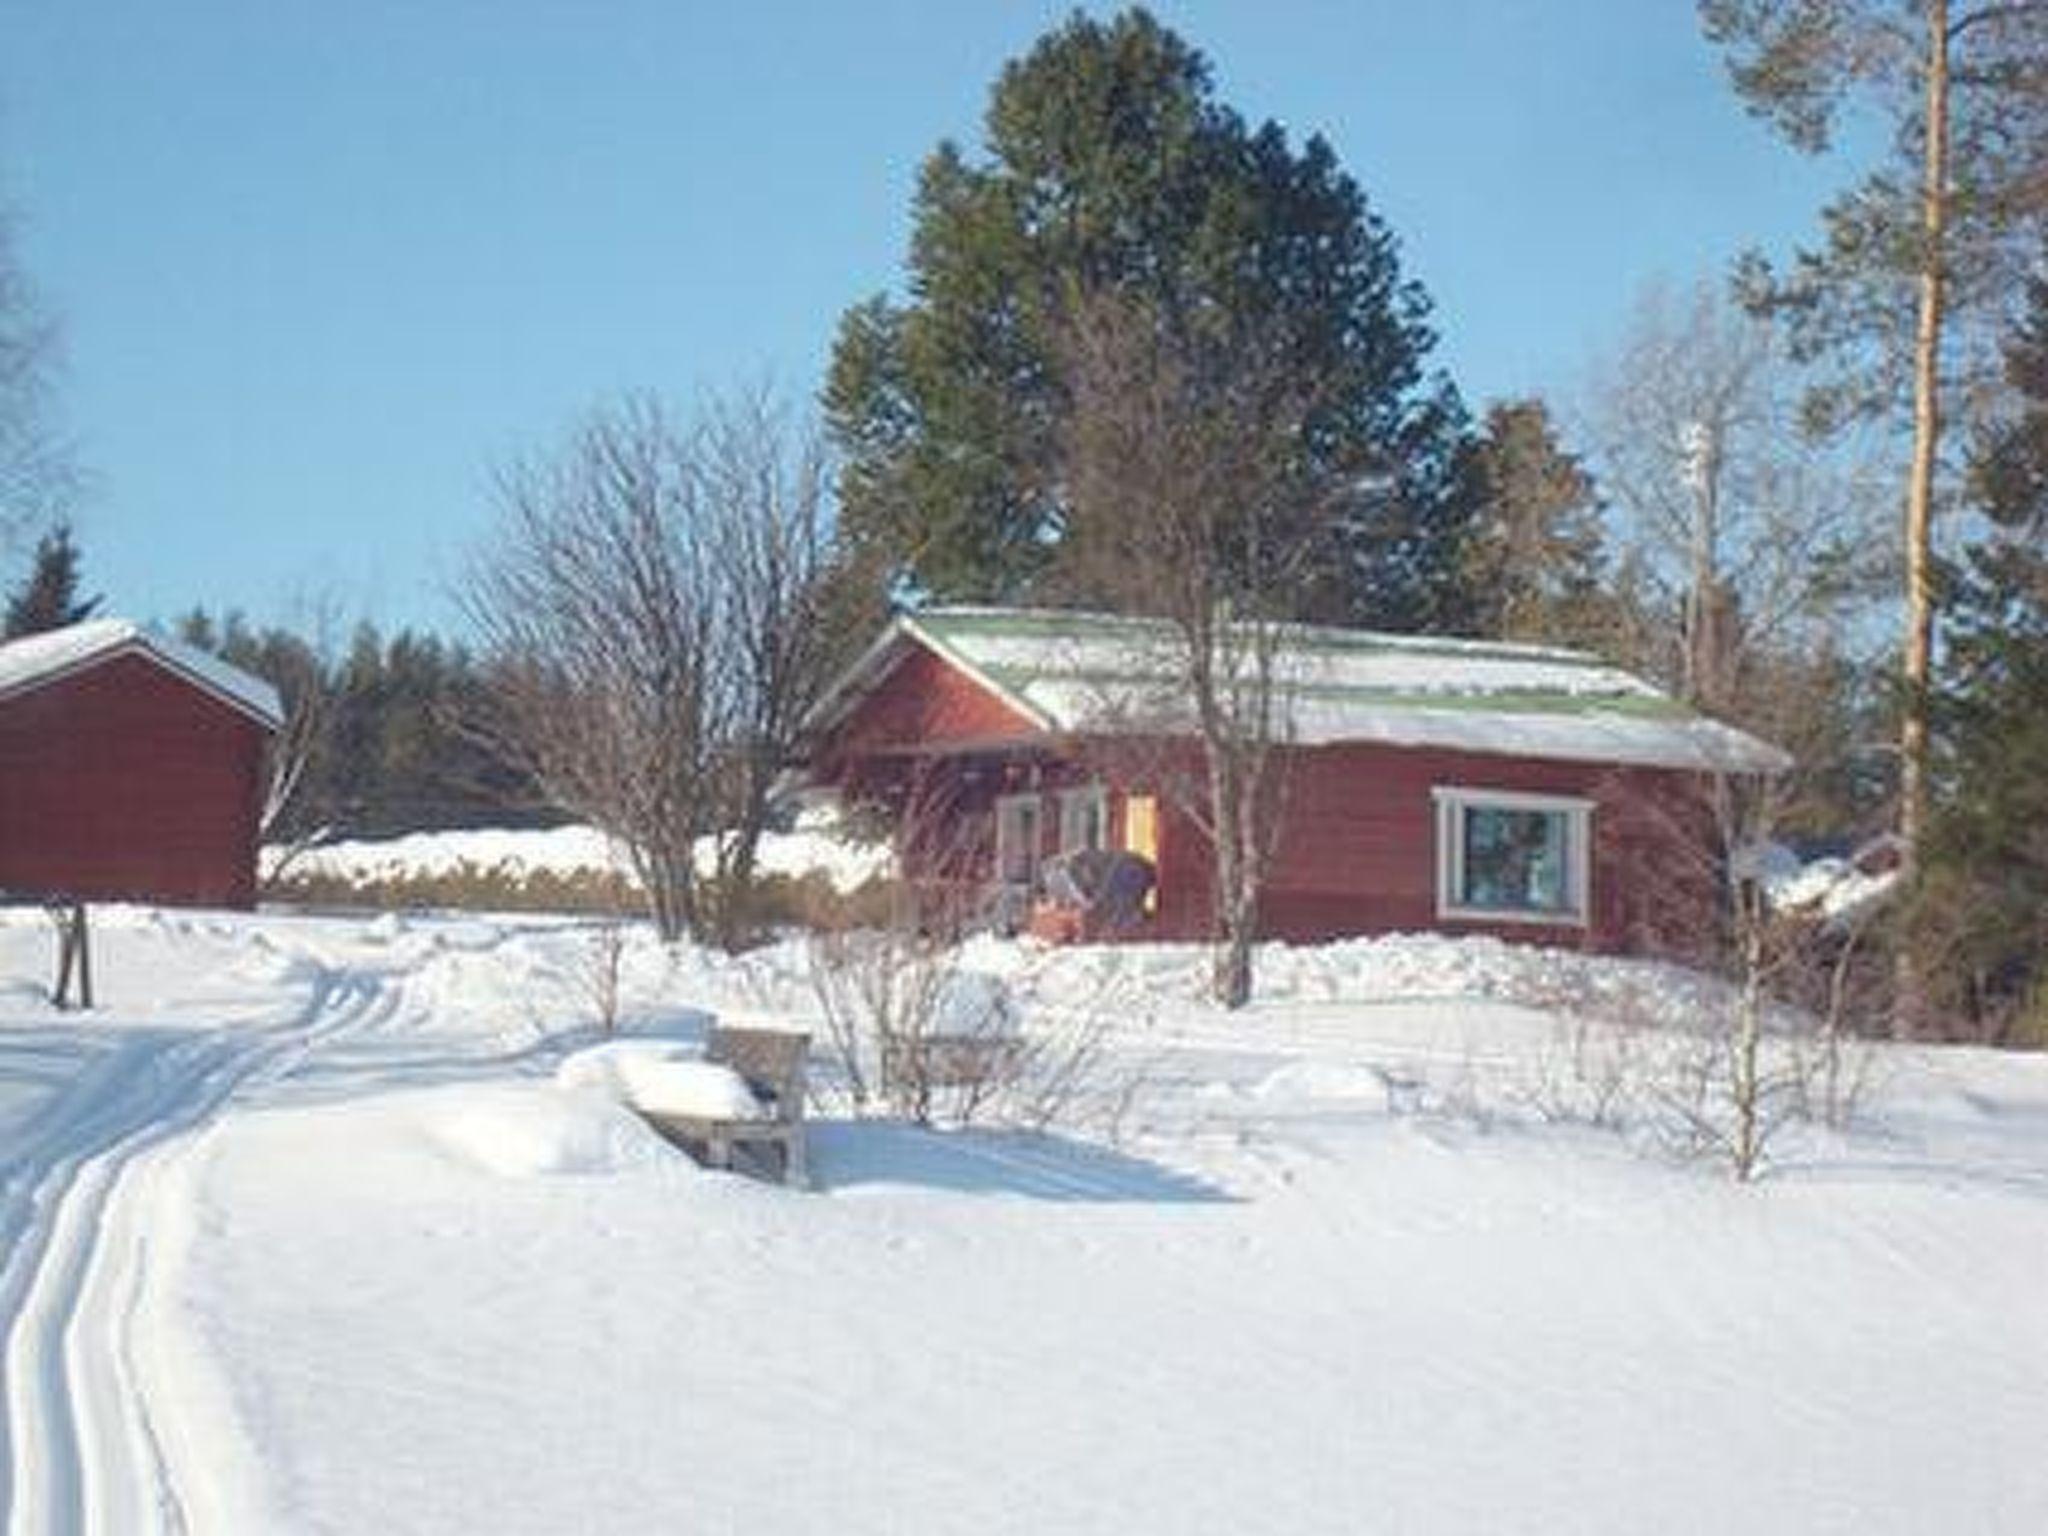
1674, 1085
501, 887
915, 1027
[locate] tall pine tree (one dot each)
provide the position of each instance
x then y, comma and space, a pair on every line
48, 596
1918, 255
1113, 172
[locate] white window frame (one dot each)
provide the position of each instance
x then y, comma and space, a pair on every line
1074, 806
1454, 800
1005, 805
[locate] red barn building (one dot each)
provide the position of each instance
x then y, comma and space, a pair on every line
131, 768
1462, 786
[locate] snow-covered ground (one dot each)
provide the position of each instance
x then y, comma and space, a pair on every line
305, 1230
812, 846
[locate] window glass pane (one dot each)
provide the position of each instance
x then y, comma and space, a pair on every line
1082, 820
1017, 839
1516, 860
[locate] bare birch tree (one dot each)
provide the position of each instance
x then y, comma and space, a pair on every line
1194, 504
303, 672
1749, 538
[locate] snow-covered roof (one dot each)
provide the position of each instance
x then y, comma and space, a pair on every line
37, 660
1080, 672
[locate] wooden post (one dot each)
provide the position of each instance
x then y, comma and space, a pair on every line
84, 956
74, 953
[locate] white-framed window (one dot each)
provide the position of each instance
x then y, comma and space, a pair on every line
1506, 856
1084, 818
1017, 839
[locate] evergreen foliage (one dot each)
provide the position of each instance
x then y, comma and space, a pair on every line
48, 597
1905, 297
393, 754
1849, 301
1113, 172
1535, 558
1981, 913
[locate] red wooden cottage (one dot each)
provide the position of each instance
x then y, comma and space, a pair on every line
1464, 786
131, 768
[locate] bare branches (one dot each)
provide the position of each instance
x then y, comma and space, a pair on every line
761, 495
304, 677
39, 477
1751, 539
915, 1032
1196, 500
648, 611
1922, 259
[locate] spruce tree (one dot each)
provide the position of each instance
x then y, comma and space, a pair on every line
1534, 558
48, 597
1112, 172
1980, 918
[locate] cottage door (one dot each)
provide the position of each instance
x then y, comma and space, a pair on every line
1141, 836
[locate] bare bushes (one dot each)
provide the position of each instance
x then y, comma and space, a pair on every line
1721, 1079
769, 902
654, 611
469, 886
915, 1031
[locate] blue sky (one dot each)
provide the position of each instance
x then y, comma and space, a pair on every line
321, 267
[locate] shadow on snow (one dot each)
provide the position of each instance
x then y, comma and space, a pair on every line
852, 1154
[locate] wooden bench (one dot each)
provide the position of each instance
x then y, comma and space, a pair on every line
772, 1063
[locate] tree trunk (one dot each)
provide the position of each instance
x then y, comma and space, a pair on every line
1231, 979
1235, 878
1745, 1148
1703, 600
1237, 892
670, 903
1910, 1004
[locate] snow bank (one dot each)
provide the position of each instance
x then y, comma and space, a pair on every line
521, 1130
662, 1079
813, 847
370, 1244
1389, 967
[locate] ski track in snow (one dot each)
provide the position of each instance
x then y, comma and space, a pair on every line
81, 1452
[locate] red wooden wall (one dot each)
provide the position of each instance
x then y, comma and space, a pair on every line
923, 701
126, 782
1358, 850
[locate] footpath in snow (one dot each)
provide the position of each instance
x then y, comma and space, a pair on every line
304, 1232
